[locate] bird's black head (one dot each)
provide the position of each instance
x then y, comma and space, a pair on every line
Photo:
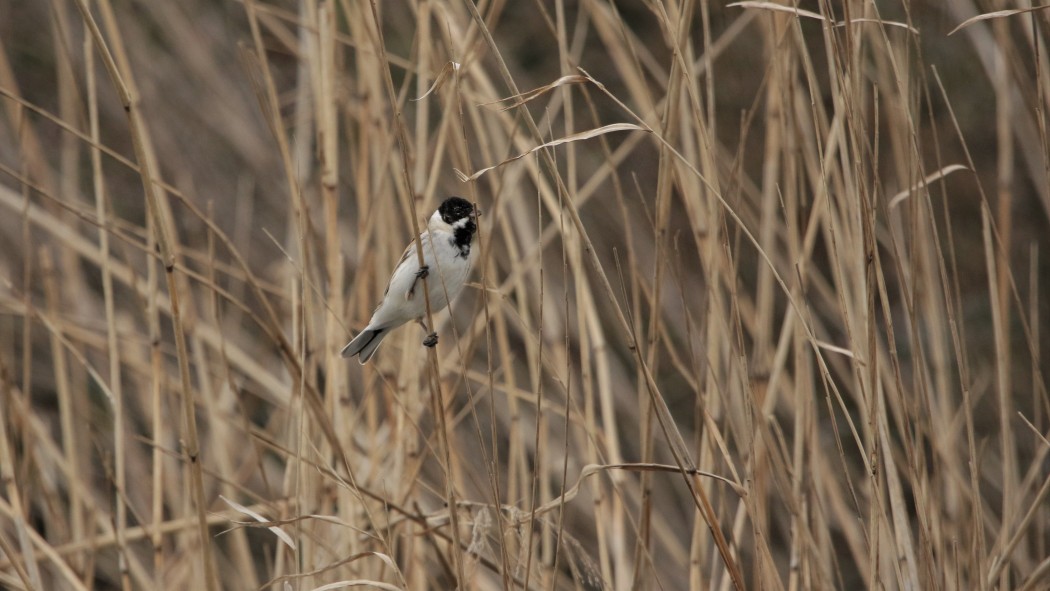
454, 209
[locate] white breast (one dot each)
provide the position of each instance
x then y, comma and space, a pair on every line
448, 273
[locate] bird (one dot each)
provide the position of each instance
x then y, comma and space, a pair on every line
448, 255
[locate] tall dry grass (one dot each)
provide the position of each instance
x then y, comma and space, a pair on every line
759, 303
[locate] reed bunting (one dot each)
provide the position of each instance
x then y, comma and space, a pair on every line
448, 255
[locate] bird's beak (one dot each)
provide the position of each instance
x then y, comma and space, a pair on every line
477, 211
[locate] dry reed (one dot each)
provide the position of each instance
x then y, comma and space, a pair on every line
759, 301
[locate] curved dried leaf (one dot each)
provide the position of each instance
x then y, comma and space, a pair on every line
521, 99
280, 533
388, 560
816, 16
836, 349
994, 15
779, 8
583, 135
896, 199
357, 583
881, 22
447, 69
591, 469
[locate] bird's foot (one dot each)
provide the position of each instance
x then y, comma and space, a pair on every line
420, 274
431, 340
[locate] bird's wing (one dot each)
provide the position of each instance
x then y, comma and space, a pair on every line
410, 250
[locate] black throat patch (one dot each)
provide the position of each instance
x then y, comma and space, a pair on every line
459, 213
462, 237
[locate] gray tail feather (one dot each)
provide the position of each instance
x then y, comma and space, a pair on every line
364, 344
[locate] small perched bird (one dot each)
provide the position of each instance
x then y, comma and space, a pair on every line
448, 255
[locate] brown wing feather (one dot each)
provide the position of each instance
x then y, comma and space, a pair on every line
409, 250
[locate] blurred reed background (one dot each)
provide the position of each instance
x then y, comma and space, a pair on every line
760, 305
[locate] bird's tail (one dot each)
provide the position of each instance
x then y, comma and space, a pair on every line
365, 344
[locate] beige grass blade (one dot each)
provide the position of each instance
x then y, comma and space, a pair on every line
773, 6
940, 174
995, 15
583, 135
280, 533
520, 99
